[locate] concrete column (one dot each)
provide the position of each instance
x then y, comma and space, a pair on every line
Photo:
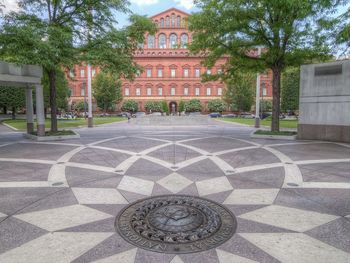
29, 110
40, 114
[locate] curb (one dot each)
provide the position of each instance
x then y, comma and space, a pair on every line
51, 138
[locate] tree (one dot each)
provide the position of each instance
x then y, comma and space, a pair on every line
216, 105
56, 34
130, 105
107, 91
12, 98
193, 105
165, 107
181, 106
290, 89
153, 106
289, 32
239, 92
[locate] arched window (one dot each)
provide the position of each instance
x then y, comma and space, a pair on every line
184, 40
162, 41
167, 21
150, 41
162, 22
173, 17
179, 21
173, 41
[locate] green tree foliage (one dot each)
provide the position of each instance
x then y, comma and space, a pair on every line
290, 89
239, 92
266, 105
216, 105
290, 32
81, 105
12, 98
53, 34
130, 105
107, 91
181, 106
165, 107
153, 106
193, 106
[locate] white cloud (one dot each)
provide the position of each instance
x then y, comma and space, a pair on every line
9, 5
188, 4
144, 2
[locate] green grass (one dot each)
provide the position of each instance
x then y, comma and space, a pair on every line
265, 122
62, 124
284, 133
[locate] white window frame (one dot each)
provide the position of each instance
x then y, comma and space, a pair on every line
93, 72
82, 73
127, 92
173, 73
138, 91
149, 73
172, 91
208, 71
220, 91
197, 91
186, 91
160, 91
149, 91
186, 72
160, 73
208, 91
197, 73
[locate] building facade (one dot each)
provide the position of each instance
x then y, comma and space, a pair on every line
170, 74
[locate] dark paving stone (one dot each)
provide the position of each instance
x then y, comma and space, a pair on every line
265, 178
85, 177
131, 144
148, 170
106, 225
34, 151
14, 233
99, 157
217, 144
15, 171
189, 190
174, 154
315, 151
109, 247
326, 172
249, 157
202, 170
145, 256
241, 247
14, 199
206, 256
159, 190
247, 226
64, 197
335, 233
330, 201
111, 182
108, 209
219, 197
131, 197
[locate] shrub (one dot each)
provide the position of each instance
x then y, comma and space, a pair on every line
193, 105
216, 105
79, 106
165, 107
181, 106
130, 105
266, 105
154, 106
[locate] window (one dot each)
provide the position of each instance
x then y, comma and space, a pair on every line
208, 71
208, 91
160, 91
71, 73
127, 92
185, 91
167, 21
160, 73
173, 20
149, 91
197, 73
83, 88
219, 71
162, 22
82, 73
264, 91
140, 45
184, 40
138, 91
71, 91
173, 41
150, 41
197, 91
93, 72
138, 73
173, 91
149, 73
178, 21
219, 91
173, 73
162, 41
186, 72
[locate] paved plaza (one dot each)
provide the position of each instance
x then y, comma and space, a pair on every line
59, 200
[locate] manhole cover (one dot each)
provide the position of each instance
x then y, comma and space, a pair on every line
176, 224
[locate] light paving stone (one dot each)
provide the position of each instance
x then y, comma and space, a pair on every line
289, 218
54, 247
212, 186
297, 248
63, 217
252, 197
98, 196
176, 259
136, 185
125, 257
2, 215
174, 182
226, 257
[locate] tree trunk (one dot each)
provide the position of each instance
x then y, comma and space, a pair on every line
5, 110
13, 113
53, 106
276, 93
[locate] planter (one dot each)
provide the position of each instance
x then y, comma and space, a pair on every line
273, 137
51, 138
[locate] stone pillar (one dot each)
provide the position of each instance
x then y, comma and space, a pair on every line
40, 114
29, 110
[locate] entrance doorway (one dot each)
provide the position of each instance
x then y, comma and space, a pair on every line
173, 107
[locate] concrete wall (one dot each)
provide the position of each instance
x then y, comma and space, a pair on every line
325, 101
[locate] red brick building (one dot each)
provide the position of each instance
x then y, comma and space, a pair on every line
170, 73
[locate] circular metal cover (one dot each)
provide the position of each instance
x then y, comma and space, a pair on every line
176, 224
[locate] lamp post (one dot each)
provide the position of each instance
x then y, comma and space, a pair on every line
90, 119
257, 98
